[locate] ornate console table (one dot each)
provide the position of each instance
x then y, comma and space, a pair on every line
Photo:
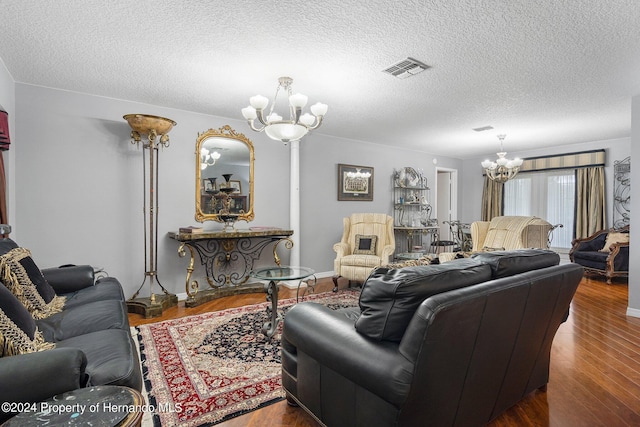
228, 258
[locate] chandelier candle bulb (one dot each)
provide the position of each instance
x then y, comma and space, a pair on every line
307, 119
319, 109
249, 113
259, 102
273, 117
298, 100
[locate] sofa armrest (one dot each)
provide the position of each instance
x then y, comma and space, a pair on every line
594, 242
387, 251
479, 231
66, 279
325, 335
341, 249
35, 377
618, 260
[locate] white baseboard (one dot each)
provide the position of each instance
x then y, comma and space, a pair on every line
633, 312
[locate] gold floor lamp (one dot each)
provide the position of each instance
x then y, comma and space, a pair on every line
156, 129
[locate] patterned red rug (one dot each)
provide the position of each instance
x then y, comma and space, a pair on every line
204, 369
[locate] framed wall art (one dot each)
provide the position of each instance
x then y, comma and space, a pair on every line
237, 185
355, 183
207, 185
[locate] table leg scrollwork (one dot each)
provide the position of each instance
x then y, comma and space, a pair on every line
190, 287
288, 243
270, 326
227, 259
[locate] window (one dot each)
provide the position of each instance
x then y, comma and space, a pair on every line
549, 195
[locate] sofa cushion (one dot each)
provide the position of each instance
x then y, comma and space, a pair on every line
508, 263
360, 260
591, 259
84, 319
25, 280
18, 331
389, 297
112, 358
106, 288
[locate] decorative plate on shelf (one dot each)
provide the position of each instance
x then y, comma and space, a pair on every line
407, 177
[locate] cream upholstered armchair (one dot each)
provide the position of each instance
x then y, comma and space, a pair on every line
506, 233
510, 232
367, 242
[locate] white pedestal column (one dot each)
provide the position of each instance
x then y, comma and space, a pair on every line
294, 202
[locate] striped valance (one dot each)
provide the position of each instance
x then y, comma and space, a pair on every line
564, 161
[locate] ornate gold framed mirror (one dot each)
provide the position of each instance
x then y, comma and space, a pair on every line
224, 176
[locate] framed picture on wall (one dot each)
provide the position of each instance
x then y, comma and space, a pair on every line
207, 185
355, 183
237, 185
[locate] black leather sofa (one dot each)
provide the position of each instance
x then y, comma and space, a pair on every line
91, 334
437, 345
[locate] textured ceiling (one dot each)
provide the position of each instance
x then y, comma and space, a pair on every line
545, 72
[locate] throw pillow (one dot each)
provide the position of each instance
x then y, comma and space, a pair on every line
614, 237
365, 245
425, 260
488, 249
18, 331
23, 278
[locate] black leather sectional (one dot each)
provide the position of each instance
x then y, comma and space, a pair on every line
90, 335
437, 345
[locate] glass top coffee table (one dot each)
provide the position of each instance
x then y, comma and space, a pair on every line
275, 275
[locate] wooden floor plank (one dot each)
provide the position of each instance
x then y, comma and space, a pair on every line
594, 374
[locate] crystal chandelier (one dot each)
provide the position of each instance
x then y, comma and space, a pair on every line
502, 169
277, 128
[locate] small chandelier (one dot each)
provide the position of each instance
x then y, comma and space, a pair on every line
358, 174
502, 169
276, 128
208, 158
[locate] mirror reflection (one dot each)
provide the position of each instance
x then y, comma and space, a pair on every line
224, 176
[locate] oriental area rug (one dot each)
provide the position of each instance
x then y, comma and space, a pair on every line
204, 369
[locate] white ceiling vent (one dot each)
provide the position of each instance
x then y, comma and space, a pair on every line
406, 68
483, 128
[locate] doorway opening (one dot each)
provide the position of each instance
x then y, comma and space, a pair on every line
446, 200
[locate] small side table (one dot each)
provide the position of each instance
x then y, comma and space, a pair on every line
99, 406
275, 275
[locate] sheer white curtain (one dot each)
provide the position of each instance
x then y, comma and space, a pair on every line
549, 195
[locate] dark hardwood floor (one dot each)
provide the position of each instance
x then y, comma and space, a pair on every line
595, 365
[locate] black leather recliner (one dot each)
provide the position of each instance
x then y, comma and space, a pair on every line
454, 344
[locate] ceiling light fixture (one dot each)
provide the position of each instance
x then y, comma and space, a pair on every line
358, 174
277, 128
208, 158
502, 169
